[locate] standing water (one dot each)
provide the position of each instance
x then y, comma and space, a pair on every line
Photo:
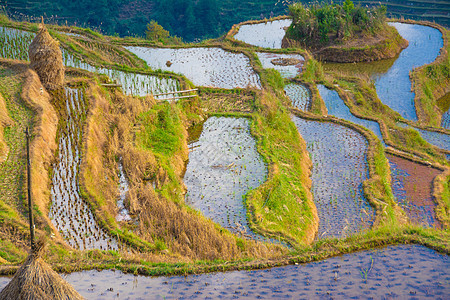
223, 166
69, 212
394, 87
266, 35
339, 169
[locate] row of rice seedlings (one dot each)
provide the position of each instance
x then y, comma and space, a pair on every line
412, 187
223, 166
69, 213
213, 67
339, 169
132, 83
299, 95
15, 43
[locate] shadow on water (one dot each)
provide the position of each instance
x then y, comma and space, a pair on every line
403, 271
339, 168
69, 212
412, 185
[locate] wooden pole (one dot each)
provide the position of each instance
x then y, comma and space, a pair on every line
30, 202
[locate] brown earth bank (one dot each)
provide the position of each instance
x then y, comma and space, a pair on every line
364, 48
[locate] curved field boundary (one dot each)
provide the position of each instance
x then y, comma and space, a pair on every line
443, 209
374, 149
441, 59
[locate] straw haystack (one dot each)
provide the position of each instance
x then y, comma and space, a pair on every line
46, 59
36, 280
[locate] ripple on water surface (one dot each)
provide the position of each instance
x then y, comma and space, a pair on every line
266, 35
404, 271
69, 212
223, 166
339, 168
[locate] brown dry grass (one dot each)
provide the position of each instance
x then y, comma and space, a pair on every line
5, 120
46, 59
43, 144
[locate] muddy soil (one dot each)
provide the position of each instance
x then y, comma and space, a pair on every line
412, 186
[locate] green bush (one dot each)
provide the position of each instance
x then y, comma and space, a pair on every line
325, 22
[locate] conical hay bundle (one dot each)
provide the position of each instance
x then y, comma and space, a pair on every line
46, 59
36, 280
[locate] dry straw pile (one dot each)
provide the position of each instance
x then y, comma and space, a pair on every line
36, 280
46, 59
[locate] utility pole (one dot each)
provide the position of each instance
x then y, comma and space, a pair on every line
30, 202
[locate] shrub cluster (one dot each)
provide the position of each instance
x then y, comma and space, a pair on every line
319, 23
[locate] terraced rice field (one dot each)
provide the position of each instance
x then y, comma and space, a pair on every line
15, 43
404, 271
123, 190
69, 212
440, 140
299, 95
336, 107
266, 35
213, 67
289, 65
394, 87
339, 168
412, 185
223, 166
132, 83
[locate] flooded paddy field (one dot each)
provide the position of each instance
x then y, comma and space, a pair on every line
132, 83
412, 185
123, 190
212, 67
402, 271
15, 43
266, 35
391, 76
444, 105
394, 87
289, 65
69, 213
440, 140
223, 166
299, 95
339, 168
336, 107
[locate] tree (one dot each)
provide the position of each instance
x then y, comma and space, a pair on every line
156, 32
348, 7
